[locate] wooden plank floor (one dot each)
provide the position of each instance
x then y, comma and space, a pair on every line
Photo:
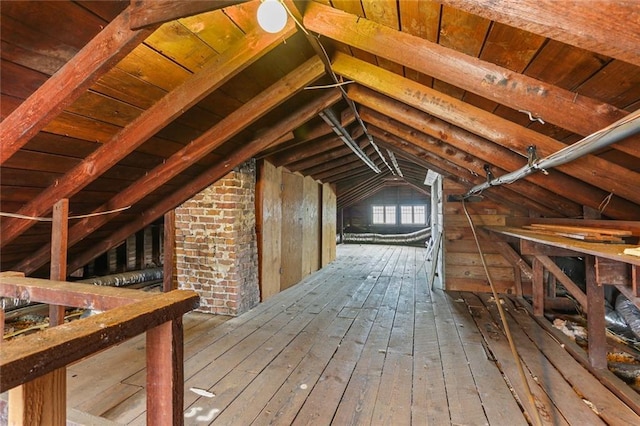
362, 342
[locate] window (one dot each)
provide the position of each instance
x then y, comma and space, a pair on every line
413, 215
384, 215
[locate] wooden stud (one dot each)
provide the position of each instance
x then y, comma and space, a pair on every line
635, 280
168, 265
40, 402
165, 374
595, 317
59, 232
140, 263
572, 287
538, 287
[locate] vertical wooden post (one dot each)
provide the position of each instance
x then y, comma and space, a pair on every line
155, 244
538, 288
59, 233
165, 375
635, 280
140, 263
595, 317
169, 250
43, 401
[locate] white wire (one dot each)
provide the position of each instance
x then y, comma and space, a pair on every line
49, 219
329, 86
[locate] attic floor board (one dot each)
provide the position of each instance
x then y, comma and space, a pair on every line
361, 342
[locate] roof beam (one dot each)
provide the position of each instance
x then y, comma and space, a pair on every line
562, 107
210, 77
147, 13
611, 28
209, 176
600, 173
492, 153
463, 176
552, 202
73, 79
235, 122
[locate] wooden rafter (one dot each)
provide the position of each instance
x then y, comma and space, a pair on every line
556, 105
461, 174
611, 28
145, 13
404, 136
197, 149
489, 152
210, 176
600, 173
105, 50
199, 85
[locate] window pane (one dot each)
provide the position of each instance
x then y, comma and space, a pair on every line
419, 215
390, 215
378, 214
405, 215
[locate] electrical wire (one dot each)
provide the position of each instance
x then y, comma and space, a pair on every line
49, 219
329, 86
352, 105
505, 324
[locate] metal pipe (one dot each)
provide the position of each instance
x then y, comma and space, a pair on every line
126, 278
329, 118
621, 129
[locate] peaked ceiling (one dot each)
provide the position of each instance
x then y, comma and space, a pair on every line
112, 104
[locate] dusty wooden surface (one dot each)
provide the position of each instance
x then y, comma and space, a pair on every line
361, 342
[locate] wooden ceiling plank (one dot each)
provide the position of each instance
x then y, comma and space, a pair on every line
611, 28
305, 150
146, 125
325, 162
147, 13
180, 161
113, 43
553, 104
492, 153
598, 172
208, 177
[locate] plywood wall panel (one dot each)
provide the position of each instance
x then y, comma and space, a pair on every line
268, 228
329, 224
292, 227
310, 227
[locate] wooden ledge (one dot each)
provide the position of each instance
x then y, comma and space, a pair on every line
32, 356
65, 293
604, 250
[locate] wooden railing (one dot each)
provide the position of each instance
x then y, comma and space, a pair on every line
33, 367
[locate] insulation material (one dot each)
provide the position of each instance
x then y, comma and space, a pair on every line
415, 237
630, 313
127, 278
616, 323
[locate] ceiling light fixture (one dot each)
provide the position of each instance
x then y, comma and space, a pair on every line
272, 16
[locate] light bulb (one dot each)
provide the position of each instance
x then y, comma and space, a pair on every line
272, 16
